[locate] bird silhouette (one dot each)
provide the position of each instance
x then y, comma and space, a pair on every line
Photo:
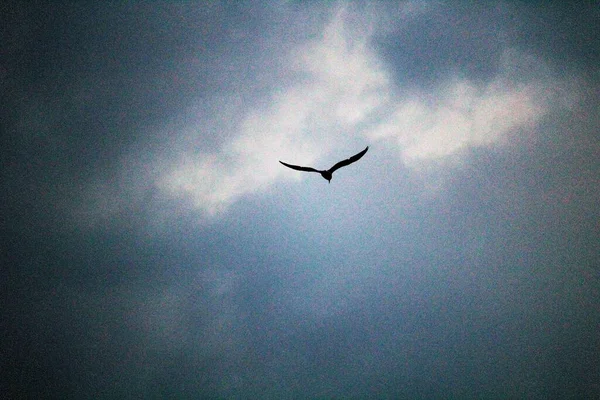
328, 173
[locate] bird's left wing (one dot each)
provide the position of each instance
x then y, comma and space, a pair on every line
299, 168
349, 161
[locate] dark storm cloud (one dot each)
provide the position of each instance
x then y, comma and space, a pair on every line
469, 40
563, 33
86, 86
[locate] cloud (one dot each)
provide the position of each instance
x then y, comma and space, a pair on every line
333, 83
464, 114
335, 91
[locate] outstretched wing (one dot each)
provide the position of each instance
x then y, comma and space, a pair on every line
349, 161
299, 168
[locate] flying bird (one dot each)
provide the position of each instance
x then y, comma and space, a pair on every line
328, 173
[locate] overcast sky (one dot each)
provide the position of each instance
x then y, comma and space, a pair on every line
154, 247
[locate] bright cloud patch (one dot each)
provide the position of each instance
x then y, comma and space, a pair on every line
337, 85
338, 91
463, 115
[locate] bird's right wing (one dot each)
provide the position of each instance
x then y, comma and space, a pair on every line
299, 168
349, 161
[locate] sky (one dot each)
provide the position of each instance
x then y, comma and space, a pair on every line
154, 247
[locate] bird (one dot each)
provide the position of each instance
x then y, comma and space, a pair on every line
328, 173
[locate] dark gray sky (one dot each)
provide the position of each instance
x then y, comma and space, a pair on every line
154, 247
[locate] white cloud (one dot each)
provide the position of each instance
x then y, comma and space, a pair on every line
334, 83
332, 92
337, 91
462, 115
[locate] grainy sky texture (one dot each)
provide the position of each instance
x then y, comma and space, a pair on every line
154, 247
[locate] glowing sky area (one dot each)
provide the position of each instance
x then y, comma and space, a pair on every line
154, 246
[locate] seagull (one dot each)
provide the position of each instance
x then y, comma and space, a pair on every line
327, 174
